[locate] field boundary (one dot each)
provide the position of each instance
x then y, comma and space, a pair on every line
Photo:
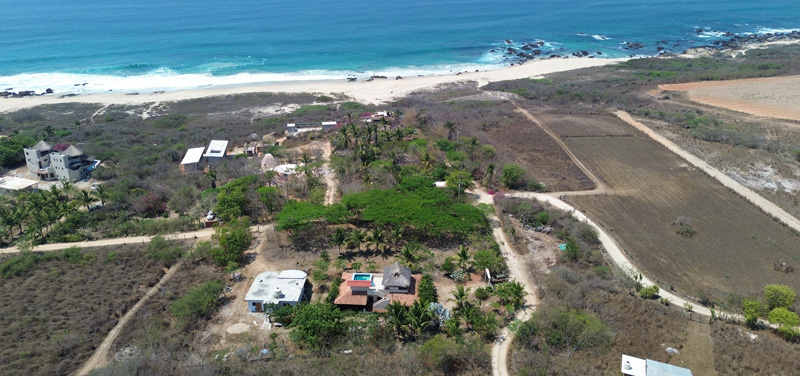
748, 194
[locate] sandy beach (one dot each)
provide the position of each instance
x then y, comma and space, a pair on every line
377, 91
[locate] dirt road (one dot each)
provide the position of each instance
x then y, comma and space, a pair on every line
750, 195
517, 271
100, 356
330, 183
199, 235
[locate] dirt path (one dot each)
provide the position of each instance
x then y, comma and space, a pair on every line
750, 195
518, 271
599, 186
199, 235
330, 182
100, 356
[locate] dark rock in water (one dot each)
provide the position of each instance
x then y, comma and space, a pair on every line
664, 42
591, 57
492, 50
585, 53
659, 48
555, 56
398, 78
599, 52
77, 84
511, 50
508, 41
374, 77
699, 31
49, 91
9, 89
537, 52
576, 54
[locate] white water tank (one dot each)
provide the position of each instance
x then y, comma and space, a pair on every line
278, 293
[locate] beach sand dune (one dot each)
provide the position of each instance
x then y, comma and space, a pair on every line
377, 91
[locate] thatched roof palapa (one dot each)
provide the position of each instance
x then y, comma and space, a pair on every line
396, 275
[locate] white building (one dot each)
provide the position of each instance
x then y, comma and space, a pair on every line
15, 184
217, 149
297, 128
633, 366
50, 164
288, 287
192, 161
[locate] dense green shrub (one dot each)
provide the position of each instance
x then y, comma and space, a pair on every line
317, 326
198, 303
233, 238
163, 250
779, 296
427, 290
513, 177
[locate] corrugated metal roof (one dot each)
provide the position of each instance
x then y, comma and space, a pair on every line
193, 155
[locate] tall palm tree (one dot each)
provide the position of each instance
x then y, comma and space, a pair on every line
102, 194
67, 187
408, 256
339, 238
490, 174
86, 199
55, 193
451, 127
355, 134
419, 317
356, 239
8, 220
345, 136
396, 236
398, 317
21, 214
377, 239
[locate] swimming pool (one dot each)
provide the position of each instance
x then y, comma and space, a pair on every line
362, 277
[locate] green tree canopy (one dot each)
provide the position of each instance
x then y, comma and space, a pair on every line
779, 296
317, 325
513, 176
234, 238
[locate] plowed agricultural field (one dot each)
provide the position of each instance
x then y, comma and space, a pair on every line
540, 155
735, 243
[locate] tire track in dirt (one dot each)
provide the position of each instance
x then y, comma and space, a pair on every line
100, 356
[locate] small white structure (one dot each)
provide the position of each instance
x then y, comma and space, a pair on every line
285, 170
192, 160
632, 366
268, 162
297, 128
15, 184
440, 184
288, 287
217, 149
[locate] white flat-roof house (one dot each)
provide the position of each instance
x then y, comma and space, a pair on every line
47, 163
633, 366
217, 149
192, 161
297, 128
288, 287
15, 184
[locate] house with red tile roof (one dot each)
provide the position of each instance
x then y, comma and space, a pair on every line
374, 292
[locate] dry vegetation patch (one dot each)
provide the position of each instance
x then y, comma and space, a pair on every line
52, 317
734, 245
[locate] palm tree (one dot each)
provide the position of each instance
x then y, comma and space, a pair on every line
339, 238
8, 220
512, 293
490, 174
86, 199
102, 194
460, 297
451, 328
396, 236
469, 312
356, 238
398, 317
408, 256
21, 214
67, 187
425, 160
450, 129
419, 317
463, 257
355, 134
345, 136
55, 193
377, 239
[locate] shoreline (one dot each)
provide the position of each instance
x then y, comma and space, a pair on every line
377, 91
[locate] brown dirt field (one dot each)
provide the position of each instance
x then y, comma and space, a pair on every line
585, 126
52, 318
540, 155
776, 97
735, 244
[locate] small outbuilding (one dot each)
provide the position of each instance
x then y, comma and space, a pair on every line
633, 366
192, 161
217, 150
15, 184
288, 287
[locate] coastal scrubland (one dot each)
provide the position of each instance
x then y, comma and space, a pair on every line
680, 226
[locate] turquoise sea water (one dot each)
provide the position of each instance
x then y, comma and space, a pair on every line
167, 45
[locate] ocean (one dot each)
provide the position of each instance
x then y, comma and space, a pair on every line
88, 46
